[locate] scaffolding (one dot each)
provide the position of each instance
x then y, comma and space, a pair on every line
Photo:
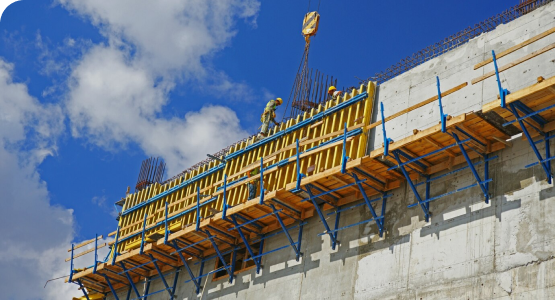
313, 165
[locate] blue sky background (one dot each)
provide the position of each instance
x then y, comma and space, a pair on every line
82, 167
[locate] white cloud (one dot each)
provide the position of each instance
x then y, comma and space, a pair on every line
35, 233
118, 90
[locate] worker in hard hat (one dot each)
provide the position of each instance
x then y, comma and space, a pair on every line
250, 184
334, 93
268, 115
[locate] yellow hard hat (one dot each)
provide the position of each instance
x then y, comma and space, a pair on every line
332, 88
279, 100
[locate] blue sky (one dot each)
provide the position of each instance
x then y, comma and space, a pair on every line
88, 89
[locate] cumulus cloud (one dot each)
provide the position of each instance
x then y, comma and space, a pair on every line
35, 233
117, 91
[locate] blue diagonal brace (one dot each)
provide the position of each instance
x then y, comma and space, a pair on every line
197, 283
544, 165
130, 280
83, 289
222, 260
413, 188
333, 236
251, 253
111, 287
502, 92
278, 217
379, 221
482, 185
161, 275
443, 117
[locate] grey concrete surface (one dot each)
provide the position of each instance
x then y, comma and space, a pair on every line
469, 249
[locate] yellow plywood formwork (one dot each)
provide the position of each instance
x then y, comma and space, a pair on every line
355, 116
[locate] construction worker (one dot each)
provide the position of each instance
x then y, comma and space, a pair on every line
334, 93
268, 115
250, 185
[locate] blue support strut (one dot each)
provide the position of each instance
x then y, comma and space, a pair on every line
130, 280
251, 253
83, 289
110, 286
472, 168
166, 225
95, 253
295, 248
161, 275
222, 260
196, 282
443, 117
224, 196
379, 221
412, 186
344, 156
544, 165
115, 248
261, 180
322, 218
502, 92
386, 140
143, 236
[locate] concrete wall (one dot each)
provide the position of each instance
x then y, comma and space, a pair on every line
468, 250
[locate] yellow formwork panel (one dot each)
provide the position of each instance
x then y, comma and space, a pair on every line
357, 115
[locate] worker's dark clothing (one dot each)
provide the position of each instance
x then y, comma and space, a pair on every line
251, 185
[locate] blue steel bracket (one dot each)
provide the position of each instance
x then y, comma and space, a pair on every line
386, 140
83, 289
379, 219
110, 286
71, 265
115, 248
95, 253
442, 116
344, 157
295, 246
220, 256
246, 242
545, 163
329, 231
483, 185
502, 92
224, 196
168, 288
424, 205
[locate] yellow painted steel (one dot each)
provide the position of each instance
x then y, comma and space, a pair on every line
310, 23
312, 162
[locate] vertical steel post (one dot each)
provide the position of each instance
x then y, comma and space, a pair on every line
95, 252
260, 249
198, 208
115, 247
486, 174
175, 281
443, 118
547, 155
299, 175
166, 225
261, 180
344, 153
233, 261
334, 240
143, 236
502, 92
386, 140
71, 265
200, 275
224, 210
300, 239
427, 194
